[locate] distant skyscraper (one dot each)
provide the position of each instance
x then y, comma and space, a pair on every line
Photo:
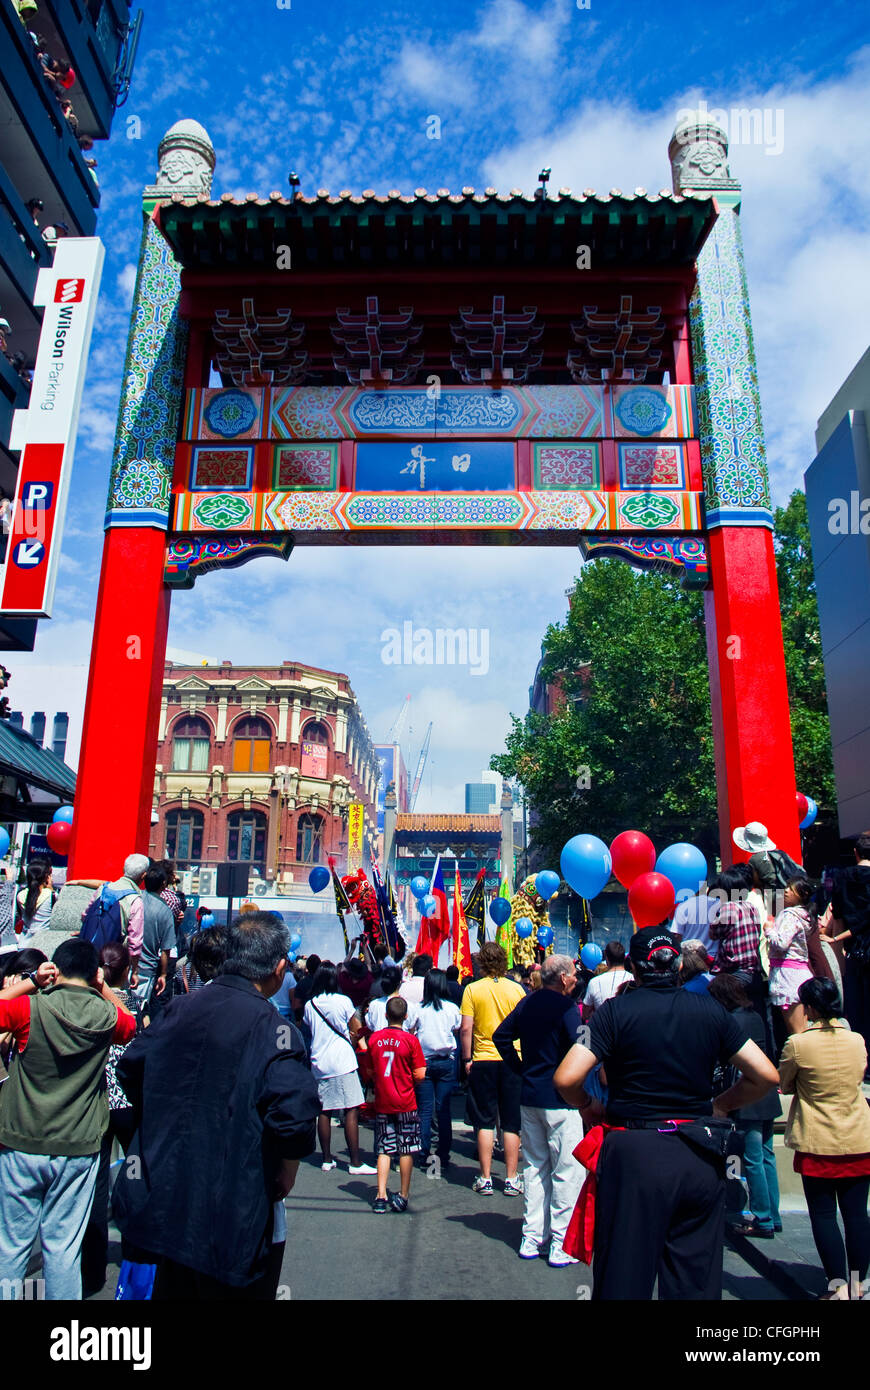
479, 798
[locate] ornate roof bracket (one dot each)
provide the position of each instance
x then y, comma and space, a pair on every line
376, 345
256, 348
496, 347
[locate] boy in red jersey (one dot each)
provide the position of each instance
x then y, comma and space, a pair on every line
397, 1062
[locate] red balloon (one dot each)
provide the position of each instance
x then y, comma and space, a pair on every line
651, 899
633, 854
59, 835
802, 806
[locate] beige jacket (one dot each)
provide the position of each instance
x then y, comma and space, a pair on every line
823, 1068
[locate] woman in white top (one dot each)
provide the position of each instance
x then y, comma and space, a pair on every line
376, 1013
36, 899
436, 1025
334, 1066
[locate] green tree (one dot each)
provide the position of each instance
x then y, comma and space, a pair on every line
803, 652
634, 722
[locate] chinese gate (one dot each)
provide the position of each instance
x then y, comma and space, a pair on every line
439, 369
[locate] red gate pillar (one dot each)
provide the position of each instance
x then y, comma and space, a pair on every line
751, 718
751, 723
119, 739
115, 780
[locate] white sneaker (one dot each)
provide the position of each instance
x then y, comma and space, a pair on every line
482, 1186
328, 1167
513, 1187
529, 1251
560, 1260
364, 1169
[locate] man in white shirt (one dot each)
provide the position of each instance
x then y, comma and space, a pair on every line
603, 987
693, 916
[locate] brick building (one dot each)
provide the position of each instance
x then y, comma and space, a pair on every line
259, 764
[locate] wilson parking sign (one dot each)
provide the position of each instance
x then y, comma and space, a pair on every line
45, 432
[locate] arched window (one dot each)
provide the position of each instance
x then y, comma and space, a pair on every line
309, 839
190, 744
252, 745
184, 836
246, 837
315, 750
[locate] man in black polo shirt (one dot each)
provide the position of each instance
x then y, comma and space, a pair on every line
660, 1209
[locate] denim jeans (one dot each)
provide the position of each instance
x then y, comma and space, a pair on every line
434, 1093
759, 1169
51, 1195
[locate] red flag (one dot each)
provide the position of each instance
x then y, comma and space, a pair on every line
435, 930
461, 943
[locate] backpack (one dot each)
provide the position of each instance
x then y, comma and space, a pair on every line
784, 867
103, 921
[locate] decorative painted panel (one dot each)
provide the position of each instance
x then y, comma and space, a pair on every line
436, 467
729, 409
151, 397
220, 468
567, 465
188, 558
313, 515
225, 413
511, 412
686, 555
305, 466
652, 465
664, 412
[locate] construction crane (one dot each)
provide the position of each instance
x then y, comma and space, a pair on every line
421, 763
396, 727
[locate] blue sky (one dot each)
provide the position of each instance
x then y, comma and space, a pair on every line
341, 93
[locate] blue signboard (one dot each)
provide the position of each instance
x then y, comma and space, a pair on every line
436, 466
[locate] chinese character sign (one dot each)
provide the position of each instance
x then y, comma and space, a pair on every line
354, 836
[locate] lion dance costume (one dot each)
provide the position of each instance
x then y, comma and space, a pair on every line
527, 902
361, 895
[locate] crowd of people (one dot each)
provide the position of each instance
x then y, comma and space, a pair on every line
617, 1103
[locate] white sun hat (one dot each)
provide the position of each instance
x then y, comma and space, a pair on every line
753, 837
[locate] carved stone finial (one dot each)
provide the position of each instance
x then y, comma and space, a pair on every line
186, 163
698, 152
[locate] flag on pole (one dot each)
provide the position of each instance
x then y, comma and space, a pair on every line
475, 909
388, 921
435, 930
504, 935
461, 943
342, 902
403, 940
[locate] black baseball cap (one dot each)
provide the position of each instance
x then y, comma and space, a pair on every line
645, 943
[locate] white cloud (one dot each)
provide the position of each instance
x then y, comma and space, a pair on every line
126, 282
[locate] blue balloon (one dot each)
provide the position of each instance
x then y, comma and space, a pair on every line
5, 842
206, 921
684, 865
419, 886
547, 883
295, 941
499, 911
591, 956
318, 879
812, 812
64, 814
586, 864
545, 936
429, 905
523, 927
291, 956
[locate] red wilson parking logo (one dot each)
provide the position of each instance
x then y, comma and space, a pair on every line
69, 291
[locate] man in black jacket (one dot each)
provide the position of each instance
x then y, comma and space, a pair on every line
226, 1108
